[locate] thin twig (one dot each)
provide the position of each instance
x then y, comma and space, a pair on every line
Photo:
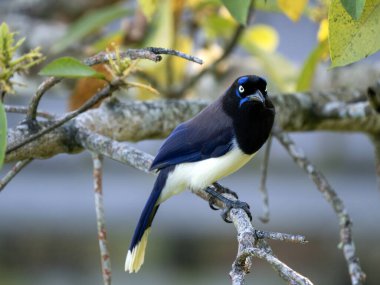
41, 90
100, 220
281, 237
250, 245
356, 273
226, 52
376, 144
102, 94
13, 172
167, 51
287, 273
150, 53
263, 189
24, 110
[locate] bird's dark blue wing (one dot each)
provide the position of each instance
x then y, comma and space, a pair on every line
207, 135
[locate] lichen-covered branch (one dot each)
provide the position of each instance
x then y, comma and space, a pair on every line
134, 120
249, 246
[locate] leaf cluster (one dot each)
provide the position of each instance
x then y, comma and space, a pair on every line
9, 63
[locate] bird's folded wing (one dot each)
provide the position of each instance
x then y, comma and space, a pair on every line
208, 135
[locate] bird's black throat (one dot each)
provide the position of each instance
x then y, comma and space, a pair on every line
252, 128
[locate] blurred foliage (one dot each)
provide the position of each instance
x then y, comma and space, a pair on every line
205, 27
293, 9
208, 28
88, 23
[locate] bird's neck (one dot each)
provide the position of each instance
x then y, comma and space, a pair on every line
252, 129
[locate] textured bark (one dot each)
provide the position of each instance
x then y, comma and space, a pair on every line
135, 121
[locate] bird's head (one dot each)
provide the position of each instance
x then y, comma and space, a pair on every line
247, 92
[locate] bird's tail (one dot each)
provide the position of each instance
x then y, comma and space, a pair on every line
136, 252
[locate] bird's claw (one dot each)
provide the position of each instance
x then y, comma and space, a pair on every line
236, 205
211, 203
230, 204
224, 190
221, 190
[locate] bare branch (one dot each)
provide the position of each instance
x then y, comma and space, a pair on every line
134, 120
119, 151
100, 220
263, 189
281, 237
13, 172
249, 246
150, 53
24, 110
376, 143
357, 275
102, 94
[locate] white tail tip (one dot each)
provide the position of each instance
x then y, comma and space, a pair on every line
135, 258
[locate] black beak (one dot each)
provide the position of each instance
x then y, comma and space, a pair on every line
257, 96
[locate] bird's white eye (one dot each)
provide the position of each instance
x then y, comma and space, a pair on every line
241, 89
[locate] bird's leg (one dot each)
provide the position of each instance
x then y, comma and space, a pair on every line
224, 190
221, 190
215, 194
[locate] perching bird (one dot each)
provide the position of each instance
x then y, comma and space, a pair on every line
215, 143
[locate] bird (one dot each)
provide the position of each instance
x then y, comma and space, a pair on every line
215, 143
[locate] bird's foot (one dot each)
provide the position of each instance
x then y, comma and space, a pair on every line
230, 204
220, 190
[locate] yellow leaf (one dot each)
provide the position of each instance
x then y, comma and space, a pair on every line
292, 8
183, 43
351, 40
264, 37
323, 32
148, 7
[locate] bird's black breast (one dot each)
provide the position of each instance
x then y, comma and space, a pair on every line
252, 128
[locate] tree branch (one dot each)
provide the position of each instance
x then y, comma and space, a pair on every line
346, 239
134, 120
246, 233
13, 172
100, 220
263, 188
150, 53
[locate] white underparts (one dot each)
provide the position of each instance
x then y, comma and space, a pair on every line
198, 175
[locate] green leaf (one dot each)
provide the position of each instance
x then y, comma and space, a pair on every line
352, 40
354, 7
3, 134
88, 23
308, 70
238, 9
69, 67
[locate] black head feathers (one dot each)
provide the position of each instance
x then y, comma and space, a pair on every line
247, 92
247, 103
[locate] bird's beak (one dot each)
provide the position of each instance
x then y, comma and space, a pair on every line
257, 96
